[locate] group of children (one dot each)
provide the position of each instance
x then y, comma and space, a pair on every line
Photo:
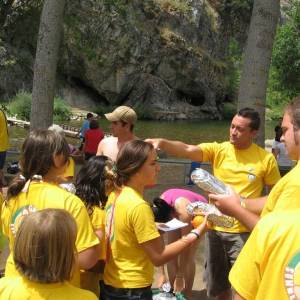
106, 232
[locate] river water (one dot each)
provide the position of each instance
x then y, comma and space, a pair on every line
191, 132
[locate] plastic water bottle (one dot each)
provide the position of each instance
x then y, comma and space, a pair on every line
208, 182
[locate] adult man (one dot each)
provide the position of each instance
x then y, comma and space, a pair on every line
284, 197
285, 194
242, 164
3, 144
122, 121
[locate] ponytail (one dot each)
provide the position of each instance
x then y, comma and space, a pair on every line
16, 186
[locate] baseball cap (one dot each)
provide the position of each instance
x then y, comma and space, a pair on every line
122, 113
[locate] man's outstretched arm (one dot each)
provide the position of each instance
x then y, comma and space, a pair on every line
177, 148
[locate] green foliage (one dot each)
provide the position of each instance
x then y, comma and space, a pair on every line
233, 73
286, 57
20, 107
284, 79
229, 110
61, 110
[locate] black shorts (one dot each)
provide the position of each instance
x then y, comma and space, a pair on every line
112, 293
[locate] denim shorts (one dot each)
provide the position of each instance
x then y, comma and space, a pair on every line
112, 293
2, 159
222, 250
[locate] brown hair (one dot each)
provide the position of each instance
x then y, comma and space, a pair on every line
37, 156
130, 127
44, 249
130, 159
95, 181
293, 109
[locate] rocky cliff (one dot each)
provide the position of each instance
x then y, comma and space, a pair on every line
166, 58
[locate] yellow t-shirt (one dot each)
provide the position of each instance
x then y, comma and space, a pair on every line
285, 193
248, 171
19, 288
90, 280
4, 145
266, 267
3, 239
42, 195
98, 222
70, 169
128, 265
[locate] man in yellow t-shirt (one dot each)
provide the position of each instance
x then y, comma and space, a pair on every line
127, 264
245, 166
3, 143
285, 194
268, 265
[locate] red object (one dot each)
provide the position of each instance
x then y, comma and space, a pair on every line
92, 139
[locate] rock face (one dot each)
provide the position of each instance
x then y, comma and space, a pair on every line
163, 58
166, 58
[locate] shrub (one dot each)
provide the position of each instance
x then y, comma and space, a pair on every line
61, 111
20, 107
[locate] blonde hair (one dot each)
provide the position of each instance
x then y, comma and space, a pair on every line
44, 249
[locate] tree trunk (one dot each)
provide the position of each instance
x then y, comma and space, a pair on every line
46, 64
258, 52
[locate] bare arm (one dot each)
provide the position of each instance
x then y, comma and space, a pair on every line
88, 257
238, 297
181, 211
177, 149
231, 205
159, 254
255, 205
100, 148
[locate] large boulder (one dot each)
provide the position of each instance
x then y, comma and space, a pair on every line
159, 56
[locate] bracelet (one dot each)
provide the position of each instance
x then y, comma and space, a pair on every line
195, 233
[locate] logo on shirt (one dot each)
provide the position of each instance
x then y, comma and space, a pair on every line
292, 277
251, 175
19, 215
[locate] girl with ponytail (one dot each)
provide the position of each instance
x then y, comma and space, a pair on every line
44, 157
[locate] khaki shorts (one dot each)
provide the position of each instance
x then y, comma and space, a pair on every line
222, 250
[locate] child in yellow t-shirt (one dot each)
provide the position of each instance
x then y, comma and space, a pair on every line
92, 186
43, 160
44, 270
